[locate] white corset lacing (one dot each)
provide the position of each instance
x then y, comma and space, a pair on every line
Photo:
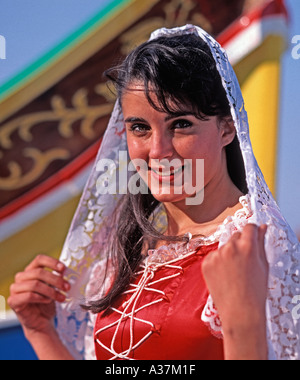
166, 257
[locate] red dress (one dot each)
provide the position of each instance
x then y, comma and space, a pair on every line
163, 319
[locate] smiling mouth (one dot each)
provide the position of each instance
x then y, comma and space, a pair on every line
167, 172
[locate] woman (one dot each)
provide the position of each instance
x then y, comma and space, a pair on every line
170, 273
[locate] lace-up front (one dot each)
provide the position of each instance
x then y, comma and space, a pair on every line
160, 307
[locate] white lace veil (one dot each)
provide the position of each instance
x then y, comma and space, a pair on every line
84, 250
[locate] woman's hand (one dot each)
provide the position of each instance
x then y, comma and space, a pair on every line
33, 297
35, 291
237, 278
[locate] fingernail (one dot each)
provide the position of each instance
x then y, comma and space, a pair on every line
61, 297
67, 286
60, 266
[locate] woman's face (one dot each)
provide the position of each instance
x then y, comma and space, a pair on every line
173, 148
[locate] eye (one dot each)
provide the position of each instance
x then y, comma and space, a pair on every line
139, 129
182, 124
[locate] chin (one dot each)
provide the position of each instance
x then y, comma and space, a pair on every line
170, 198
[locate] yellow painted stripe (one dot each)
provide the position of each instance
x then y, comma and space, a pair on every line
259, 76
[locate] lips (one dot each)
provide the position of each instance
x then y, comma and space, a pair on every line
166, 173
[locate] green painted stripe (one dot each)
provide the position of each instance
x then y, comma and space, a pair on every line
47, 59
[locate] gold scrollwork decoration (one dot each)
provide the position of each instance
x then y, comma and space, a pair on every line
42, 160
66, 117
177, 12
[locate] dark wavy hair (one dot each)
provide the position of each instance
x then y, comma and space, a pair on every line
181, 72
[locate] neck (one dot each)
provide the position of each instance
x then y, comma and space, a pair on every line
221, 199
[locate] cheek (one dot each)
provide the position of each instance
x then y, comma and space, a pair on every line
207, 149
193, 148
135, 150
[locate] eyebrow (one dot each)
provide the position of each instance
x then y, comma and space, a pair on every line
134, 119
176, 115
172, 116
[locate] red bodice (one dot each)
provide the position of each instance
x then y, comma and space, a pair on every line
163, 321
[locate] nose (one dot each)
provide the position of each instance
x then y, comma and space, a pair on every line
161, 146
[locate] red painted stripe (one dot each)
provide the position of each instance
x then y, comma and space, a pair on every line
272, 8
65, 174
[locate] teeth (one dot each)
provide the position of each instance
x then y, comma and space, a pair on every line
168, 173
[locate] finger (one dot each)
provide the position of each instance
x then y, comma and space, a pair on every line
42, 261
250, 231
208, 262
236, 236
262, 233
38, 288
261, 240
19, 301
45, 276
